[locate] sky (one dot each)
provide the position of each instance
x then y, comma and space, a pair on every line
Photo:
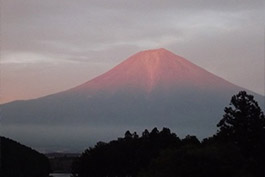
53, 45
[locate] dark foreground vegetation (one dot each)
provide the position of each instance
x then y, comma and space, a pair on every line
236, 150
17, 160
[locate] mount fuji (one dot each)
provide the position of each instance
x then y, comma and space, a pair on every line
153, 88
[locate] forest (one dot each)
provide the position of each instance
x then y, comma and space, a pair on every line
235, 150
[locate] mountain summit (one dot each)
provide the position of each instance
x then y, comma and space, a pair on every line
151, 88
151, 70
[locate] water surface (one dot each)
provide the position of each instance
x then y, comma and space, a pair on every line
60, 174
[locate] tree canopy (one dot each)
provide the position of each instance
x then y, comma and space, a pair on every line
243, 121
236, 150
18, 160
243, 124
125, 156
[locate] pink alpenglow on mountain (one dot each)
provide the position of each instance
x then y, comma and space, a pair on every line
153, 88
152, 69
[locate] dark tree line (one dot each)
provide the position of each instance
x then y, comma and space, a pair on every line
17, 160
125, 156
236, 150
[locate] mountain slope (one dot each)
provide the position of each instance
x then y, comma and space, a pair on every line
150, 88
151, 69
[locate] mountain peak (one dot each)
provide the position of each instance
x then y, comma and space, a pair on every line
159, 57
155, 60
157, 51
152, 69
154, 54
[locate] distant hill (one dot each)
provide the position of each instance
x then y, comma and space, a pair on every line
18, 160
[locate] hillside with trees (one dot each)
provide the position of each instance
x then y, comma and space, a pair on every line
236, 150
18, 160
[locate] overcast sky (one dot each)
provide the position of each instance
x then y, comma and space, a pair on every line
52, 45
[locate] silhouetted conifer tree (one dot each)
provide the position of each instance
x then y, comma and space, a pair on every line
243, 124
243, 121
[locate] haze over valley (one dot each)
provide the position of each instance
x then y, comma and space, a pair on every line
152, 88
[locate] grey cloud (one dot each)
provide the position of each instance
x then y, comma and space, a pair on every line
95, 22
